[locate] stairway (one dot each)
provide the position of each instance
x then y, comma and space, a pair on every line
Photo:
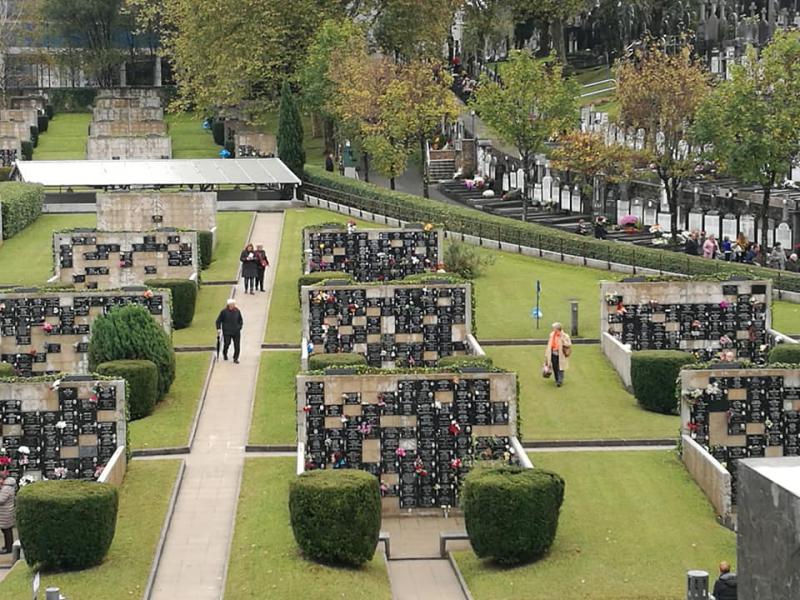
441, 170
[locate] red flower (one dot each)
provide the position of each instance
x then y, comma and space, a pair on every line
47, 327
93, 398
307, 408
5, 461
454, 428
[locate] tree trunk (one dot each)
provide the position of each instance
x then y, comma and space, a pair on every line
764, 214
526, 167
328, 134
544, 40
366, 167
559, 45
391, 183
671, 188
423, 153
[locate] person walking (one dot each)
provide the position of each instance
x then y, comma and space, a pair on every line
725, 588
727, 248
692, 246
249, 268
777, 258
557, 352
8, 510
710, 247
229, 323
742, 244
262, 264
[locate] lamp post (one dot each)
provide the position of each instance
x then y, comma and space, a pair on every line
474, 141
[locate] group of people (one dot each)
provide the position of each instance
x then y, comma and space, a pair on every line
254, 264
739, 250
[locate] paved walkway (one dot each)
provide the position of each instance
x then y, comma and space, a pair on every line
424, 580
195, 556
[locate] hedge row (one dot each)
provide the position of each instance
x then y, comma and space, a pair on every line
784, 353
21, 204
184, 299
407, 207
465, 361
653, 377
319, 277
320, 362
141, 379
205, 242
71, 100
6, 370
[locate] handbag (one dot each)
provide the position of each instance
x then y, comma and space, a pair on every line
567, 350
546, 370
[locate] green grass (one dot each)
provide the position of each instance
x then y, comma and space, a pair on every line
170, 423
27, 258
264, 559
144, 498
189, 139
202, 332
786, 317
592, 404
65, 138
632, 524
274, 418
232, 231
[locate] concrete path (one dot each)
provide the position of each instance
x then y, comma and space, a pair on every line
424, 580
195, 556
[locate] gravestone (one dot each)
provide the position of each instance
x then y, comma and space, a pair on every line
145, 210
129, 147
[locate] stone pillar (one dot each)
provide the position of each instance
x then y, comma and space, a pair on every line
123, 75
157, 71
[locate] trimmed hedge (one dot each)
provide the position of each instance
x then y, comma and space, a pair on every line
21, 204
67, 524
511, 513
218, 132
49, 111
407, 207
6, 370
130, 332
653, 377
27, 150
469, 360
336, 515
184, 299
141, 378
320, 362
71, 100
205, 242
42, 121
319, 277
784, 353
34, 136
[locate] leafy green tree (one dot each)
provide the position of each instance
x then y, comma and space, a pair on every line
290, 133
414, 28
534, 103
554, 15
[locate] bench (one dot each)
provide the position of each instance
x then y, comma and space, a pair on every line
383, 537
450, 536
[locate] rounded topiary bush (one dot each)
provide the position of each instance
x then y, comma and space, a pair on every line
511, 513
184, 299
6, 370
320, 362
653, 377
336, 515
205, 243
66, 524
130, 332
785, 353
141, 378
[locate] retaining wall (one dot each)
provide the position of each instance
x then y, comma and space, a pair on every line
142, 211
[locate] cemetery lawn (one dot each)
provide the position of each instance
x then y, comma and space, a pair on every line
232, 231
27, 258
314, 146
65, 138
631, 525
592, 404
202, 332
786, 317
265, 561
143, 501
189, 139
283, 325
274, 418
171, 421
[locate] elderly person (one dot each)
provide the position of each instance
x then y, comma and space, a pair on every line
229, 323
777, 258
8, 509
725, 588
262, 264
792, 264
556, 354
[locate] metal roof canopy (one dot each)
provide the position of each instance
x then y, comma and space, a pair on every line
206, 171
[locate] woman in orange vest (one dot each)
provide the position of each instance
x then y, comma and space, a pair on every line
556, 354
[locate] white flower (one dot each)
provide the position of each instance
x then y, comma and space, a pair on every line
24, 450
61, 425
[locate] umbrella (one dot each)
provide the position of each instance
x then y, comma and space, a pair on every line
218, 340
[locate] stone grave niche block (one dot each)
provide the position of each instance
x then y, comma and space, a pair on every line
15, 129
255, 144
45, 331
146, 210
126, 128
129, 147
29, 116
391, 325
61, 429
93, 259
37, 103
699, 316
127, 114
373, 254
419, 434
742, 413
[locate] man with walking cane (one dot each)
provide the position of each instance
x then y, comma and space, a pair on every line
229, 323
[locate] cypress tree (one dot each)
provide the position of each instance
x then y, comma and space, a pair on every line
290, 133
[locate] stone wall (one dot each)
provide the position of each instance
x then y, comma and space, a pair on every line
71, 428
255, 144
91, 259
142, 211
150, 147
45, 332
118, 102
127, 114
15, 129
768, 561
710, 476
127, 128
619, 356
34, 102
21, 115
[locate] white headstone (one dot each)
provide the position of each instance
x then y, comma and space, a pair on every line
695, 220
513, 180
521, 179
505, 182
623, 208
729, 227
712, 225
663, 219
576, 200
564, 198
547, 186
537, 192
649, 216
784, 235
747, 225
637, 209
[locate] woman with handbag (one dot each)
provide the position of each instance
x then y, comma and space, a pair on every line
556, 354
263, 263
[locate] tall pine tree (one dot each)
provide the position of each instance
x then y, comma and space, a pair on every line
290, 133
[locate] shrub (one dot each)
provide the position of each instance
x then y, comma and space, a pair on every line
511, 513
320, 362
66, 524
5, 173
49, 111
205, 243
784, 353
42, 121
466, 260
231, 147
71, 100
141, 377
184, 299
27, 150
21, 204
336, 515
653, 376
129, 332
319, 277
34, 136
218, 132
6, 370
290, 132
470, 360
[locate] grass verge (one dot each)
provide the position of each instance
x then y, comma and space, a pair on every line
274, 413
189, 139
232, 231
210, 300
65, 138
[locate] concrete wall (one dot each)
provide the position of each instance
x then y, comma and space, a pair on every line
126, 128
114, 470
94, 428
35, 102
29, 116
709, 475
262, 143
129, 92
117, 102
142, 211
33, 350
15, 129
127, 114
768, 561
619, 356
150, 147
88, 257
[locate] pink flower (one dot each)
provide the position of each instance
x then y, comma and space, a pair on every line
148, 294
401, 452
93, 398
455, 463
47, 327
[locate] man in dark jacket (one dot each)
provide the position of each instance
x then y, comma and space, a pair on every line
692, 246
230, 323
725, 586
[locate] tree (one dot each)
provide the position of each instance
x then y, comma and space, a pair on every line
660, 93
487, 24
533, 104
414, 28
10, 13
751, 122
290, 132
552, 13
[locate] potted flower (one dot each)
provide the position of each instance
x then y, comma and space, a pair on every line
630, 223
